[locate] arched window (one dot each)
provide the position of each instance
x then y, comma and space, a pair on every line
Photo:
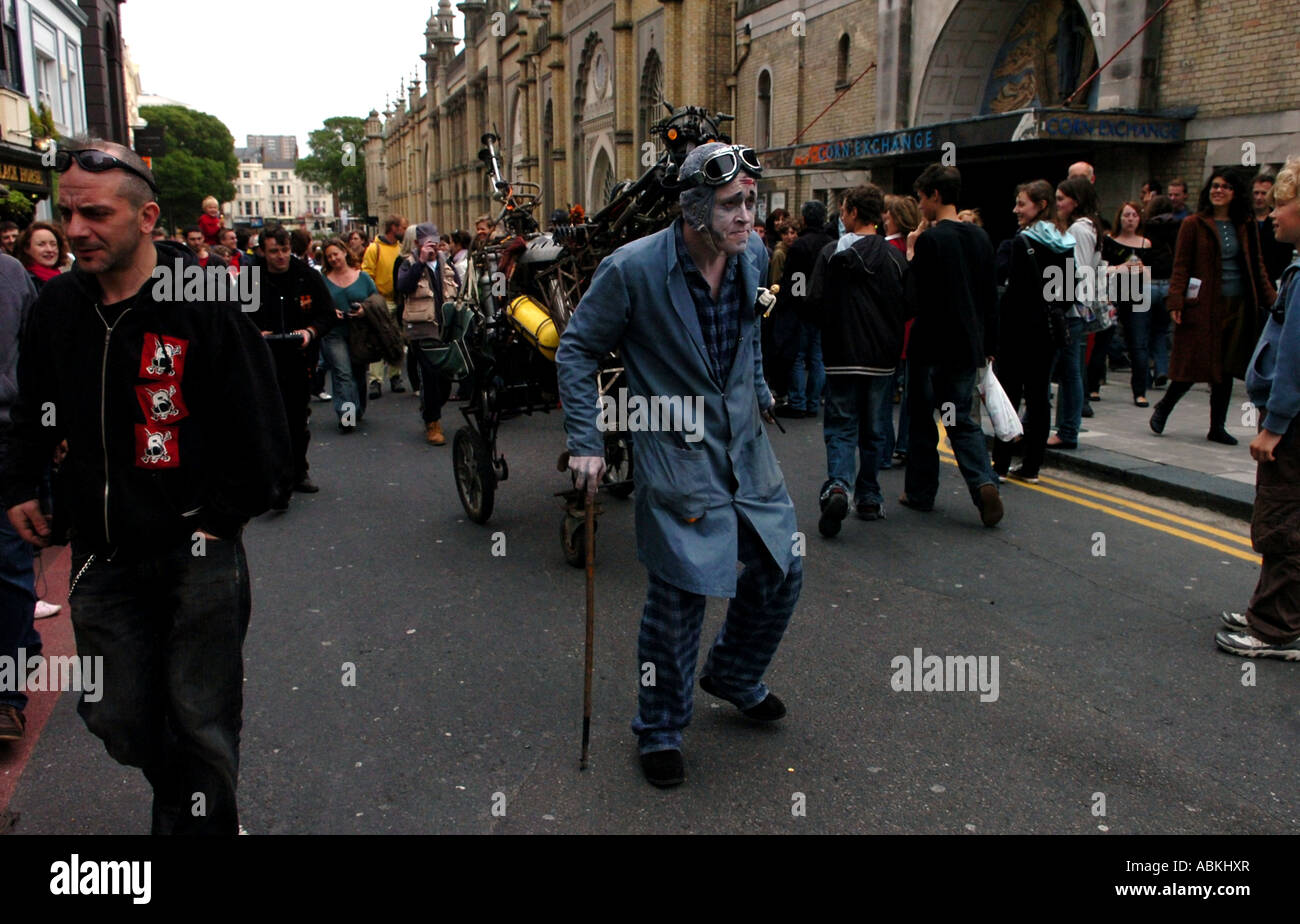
763, 122
650, 104
842, 62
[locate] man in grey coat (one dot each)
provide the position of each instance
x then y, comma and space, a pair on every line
679, 306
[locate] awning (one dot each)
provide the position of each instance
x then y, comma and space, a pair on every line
1032, 128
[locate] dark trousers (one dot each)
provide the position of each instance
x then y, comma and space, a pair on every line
434, 386
1220, 398
293, 376
169, 625
1274, 613
933, 388
1097, 361
1025, 372
17, 605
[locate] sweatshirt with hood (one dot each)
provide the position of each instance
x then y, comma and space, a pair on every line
857, 299
170, 408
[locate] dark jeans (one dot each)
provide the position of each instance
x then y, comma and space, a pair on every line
885, 419
1097, 361
1220, 399
293, 376
434, 386
1025, 372
1137, 335
936, 389
851, 433
17, 605
1274, 613
349, 378
170, 628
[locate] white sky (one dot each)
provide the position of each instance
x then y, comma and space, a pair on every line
336, 57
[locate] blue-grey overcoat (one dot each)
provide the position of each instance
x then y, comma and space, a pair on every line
639, 304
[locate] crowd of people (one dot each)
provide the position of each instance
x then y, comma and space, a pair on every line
179, 418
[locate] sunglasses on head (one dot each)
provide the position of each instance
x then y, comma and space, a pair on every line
97, 162
721, 167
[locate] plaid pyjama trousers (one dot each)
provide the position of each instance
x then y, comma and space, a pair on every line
744, 647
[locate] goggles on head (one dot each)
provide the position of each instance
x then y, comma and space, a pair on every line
721, 167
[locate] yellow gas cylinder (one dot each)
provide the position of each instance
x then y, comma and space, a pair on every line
535, 324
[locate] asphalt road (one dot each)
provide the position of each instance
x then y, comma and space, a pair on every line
466, 710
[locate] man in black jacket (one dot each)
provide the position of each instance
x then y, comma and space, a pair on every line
797, 367
295, 312
951, 291
176, 438
857, 301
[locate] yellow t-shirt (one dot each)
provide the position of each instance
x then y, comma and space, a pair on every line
377, 262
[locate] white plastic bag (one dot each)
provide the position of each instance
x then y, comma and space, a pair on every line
1006, 423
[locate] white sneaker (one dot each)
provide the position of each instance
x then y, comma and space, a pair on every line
1233, 620
45, 610
1247, 646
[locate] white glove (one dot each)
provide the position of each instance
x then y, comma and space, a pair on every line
767, 299
587, 471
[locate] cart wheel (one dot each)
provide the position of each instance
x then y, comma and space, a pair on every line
573, 537
475, 480
618, 467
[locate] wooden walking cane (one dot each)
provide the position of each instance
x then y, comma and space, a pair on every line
590, 527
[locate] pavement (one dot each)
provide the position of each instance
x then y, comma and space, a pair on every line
1114, 711
1117, 446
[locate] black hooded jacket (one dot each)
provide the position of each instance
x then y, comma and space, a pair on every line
857, 300
170, 408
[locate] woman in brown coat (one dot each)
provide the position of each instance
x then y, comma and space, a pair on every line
1216, 327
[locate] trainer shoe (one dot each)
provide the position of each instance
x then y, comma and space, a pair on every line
396, 386
990, 504
868, 511
12, 723
1019, 474
663, 768
375, 391
1247, 646
1234, 621
835, 507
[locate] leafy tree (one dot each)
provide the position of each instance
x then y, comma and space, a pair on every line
198, 161
338, 161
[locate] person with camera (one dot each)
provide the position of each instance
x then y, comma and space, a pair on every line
295, 312
679, 306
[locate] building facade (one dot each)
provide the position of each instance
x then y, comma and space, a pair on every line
571, 87
268, 190
108, 112
837, 92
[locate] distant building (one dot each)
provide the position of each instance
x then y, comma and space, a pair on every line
268, 190
275, 147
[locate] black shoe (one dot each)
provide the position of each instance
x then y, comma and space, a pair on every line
809, 413
347, 428
375, 391
1160, 382
915, 505
1159, 417
871, 511
305, 486
787, 410
280, 503
990, 504
396, 387
663, 768
1087, 411
769, 710
835, 507
1221, 436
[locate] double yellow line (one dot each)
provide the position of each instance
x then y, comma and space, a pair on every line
1229, 543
